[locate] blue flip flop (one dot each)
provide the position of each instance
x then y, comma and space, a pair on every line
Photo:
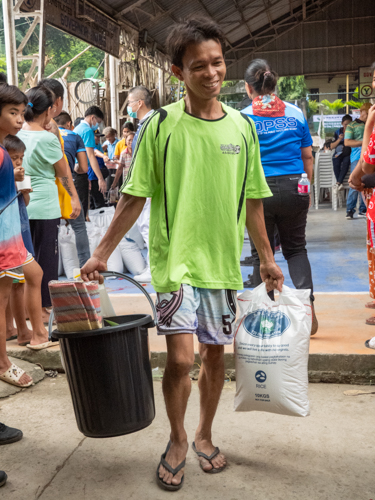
164, 463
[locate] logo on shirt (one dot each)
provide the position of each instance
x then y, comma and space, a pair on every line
230, 149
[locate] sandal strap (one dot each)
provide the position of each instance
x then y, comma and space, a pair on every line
169, 468
14, 372
203, 455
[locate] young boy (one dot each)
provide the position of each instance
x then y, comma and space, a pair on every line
121, 145
109, 147
38, 338
13, 253
125, 161
203, 191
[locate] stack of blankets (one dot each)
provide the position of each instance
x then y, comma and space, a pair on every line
76, 305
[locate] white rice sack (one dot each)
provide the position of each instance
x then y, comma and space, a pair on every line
135, 235
102, 217
131, 256
67, 243
271, 352
114, 262
93, 233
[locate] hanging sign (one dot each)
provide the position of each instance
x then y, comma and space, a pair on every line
365, 90
82, 20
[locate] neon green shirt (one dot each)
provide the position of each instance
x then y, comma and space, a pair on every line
198, 174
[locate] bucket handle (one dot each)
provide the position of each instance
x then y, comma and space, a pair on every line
107, 274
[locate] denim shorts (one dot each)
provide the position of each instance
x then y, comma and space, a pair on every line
207, 312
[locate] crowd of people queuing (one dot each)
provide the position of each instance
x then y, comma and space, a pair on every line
195, 209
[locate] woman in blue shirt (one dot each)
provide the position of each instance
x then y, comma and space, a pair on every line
285, 148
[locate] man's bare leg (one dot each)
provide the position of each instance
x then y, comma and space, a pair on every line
210, 382
176, 389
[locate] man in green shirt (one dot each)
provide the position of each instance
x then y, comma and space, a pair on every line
199, 162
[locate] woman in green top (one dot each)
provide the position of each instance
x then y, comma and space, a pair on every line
44, 162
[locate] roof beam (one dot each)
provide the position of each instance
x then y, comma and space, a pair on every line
129, 8
320, 7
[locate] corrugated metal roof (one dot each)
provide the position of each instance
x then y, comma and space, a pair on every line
296, 36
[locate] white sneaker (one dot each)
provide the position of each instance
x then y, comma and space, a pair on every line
145, 277
340, 187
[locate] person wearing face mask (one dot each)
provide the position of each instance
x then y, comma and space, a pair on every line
139, 106
93, 117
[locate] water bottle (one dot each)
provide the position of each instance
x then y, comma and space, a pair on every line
304, 185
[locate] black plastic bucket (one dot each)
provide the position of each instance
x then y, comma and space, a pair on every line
109, 374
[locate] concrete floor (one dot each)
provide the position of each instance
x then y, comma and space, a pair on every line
327, 456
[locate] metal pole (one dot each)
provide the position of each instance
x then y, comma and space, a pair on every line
42, 40
113, 86
347, 93
10, 42
161, 88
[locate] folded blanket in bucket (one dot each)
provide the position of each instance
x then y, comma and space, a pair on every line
76, 305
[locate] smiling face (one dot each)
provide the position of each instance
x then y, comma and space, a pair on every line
12, 118
203, 69
129, 140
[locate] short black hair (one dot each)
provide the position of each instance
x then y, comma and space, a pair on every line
96, 111
14, 143
347, 118
54, 85
3, 78
128, 125
39, 100
193, 30
77, 121
142, 94
261, 77
63, 118
10, 94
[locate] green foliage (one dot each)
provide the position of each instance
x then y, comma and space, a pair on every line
291, 88
60, 48
354, 104
230, 83
3, 65
312, 108
332, 107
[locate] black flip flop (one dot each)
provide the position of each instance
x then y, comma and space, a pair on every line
13, 337
3, 478
214, 470
367, 344
164, 463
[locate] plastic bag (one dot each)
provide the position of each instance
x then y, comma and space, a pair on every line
131, 256
93, 234
114, 262
271, 352
68, 249
102, 217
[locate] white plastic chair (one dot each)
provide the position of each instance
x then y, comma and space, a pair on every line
324, 177
339, 197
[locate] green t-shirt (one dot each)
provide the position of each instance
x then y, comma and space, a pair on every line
43, 150
198, 174
355, 131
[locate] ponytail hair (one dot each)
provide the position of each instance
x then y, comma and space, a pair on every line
261, 77
39, 99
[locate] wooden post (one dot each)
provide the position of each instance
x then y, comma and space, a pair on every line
347, 93
10, 42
